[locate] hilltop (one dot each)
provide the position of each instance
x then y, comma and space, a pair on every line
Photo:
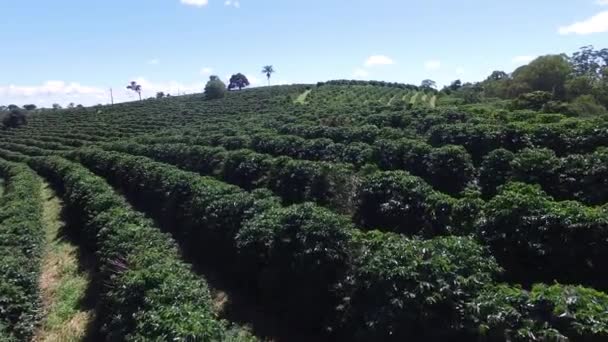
343, 210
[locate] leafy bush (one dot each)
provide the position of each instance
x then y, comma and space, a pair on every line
299, 256
413, 290
400, 202
546, 313
537, 239
15, 118
21, 246
534, 100
495, 171
150, 293
215, 88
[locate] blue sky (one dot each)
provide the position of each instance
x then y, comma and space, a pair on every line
74, 50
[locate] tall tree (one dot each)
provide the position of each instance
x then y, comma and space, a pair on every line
238, 81
589, 62
136, 88
268, 70
546, 73
215, 88
428, 85
29, 107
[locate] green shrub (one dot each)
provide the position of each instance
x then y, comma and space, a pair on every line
537, 239
299, 256
413, 290
149, 294
21, 246
215, 88
546, 313
495, 171
400, 202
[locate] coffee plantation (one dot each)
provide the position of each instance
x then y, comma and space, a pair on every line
344, 211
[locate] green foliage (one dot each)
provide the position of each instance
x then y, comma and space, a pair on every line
546, 313
215, 88
238, 81
21, 246
546, 73
15, 118
534, 100
537, 239
399, 202
581, 177
586, 106
299, 254
413, 290
150, 293
308, 263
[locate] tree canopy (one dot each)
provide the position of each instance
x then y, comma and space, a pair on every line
215, 88
238, 81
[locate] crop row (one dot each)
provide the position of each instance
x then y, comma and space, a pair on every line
21, 246
148, 293
448, 168
582, 177
299, 256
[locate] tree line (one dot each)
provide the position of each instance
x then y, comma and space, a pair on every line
572, 85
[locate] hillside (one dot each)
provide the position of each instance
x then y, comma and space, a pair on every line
342, 211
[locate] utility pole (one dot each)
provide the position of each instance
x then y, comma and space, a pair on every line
111, 97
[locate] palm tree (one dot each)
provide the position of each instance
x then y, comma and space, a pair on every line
268, 70
136, 88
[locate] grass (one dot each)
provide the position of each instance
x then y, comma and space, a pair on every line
63, 283
414, 98
302, 97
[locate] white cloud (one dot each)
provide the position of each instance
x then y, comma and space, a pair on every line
523, 59
50, 92
432, 65
61, 92
253, 81
150, 88
197, 3
460, 71
596, 24
154, 61
233, 3
360, 73
378, 60
206, 71
602, 2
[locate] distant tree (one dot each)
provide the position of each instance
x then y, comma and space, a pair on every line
160, 95
579, 85
56, 106
586, 106
268, 70
533, 101
498, 75
29, 107
79, 106
3, 108
215, 88
428, 85
589, 62
71, 105
546, 73
455, 85
12, 106
238, 81
136, 88
15, 118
